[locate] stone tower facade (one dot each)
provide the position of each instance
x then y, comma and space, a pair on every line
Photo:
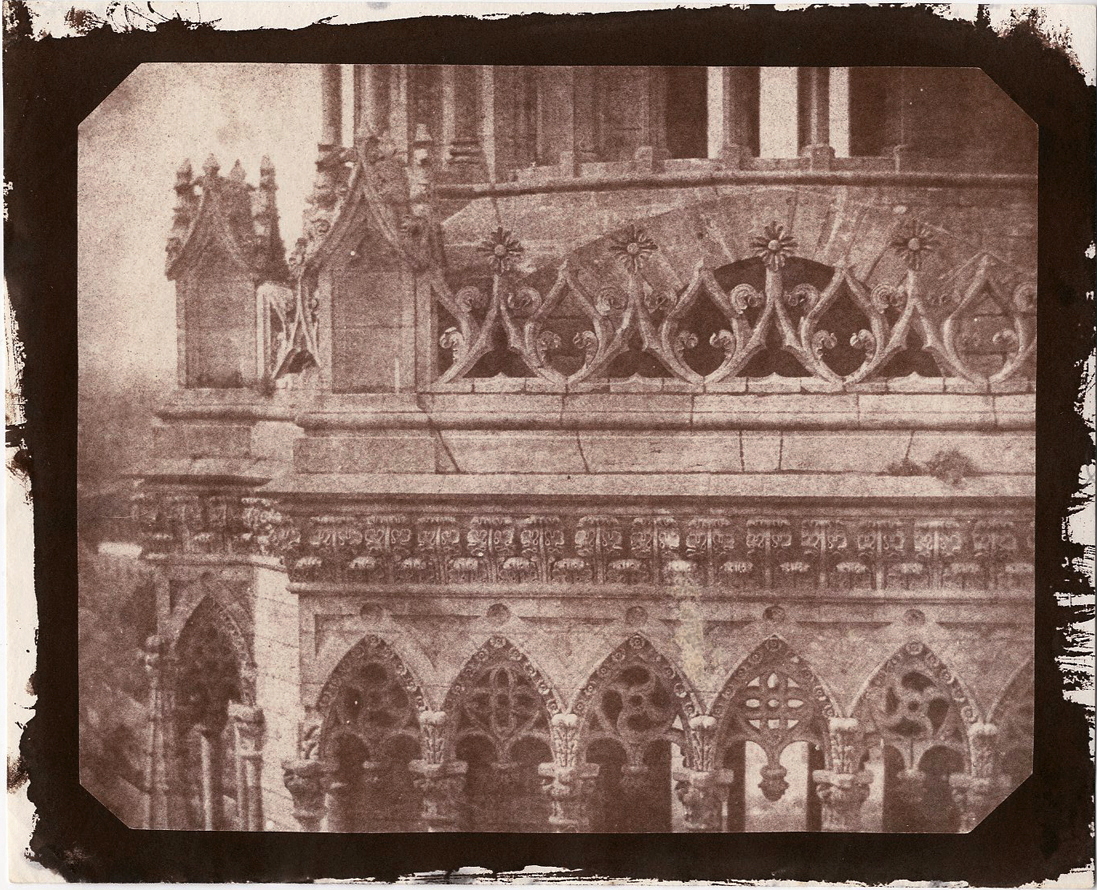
616, 450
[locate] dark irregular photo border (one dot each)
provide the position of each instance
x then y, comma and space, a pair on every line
1041, 832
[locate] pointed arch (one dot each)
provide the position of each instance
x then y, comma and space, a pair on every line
370, 699
211, 668
499, 708
210, 643
914, 702
774, 699
633, 710
500, 650
1015, 688
1014, 716
666, 694
227, 595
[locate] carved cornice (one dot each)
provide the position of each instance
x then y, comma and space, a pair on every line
804, 548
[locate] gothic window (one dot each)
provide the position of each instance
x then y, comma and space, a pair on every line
370, 734
501, 707
687, 112
208, 675
772, 733
632, 713
916, 709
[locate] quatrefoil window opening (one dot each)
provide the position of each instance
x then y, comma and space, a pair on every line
774, 702
503, 704
372, 704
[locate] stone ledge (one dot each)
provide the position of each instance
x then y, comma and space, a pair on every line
672, 411
239, 471
498, 487
657, 594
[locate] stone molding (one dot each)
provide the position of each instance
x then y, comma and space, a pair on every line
794, 548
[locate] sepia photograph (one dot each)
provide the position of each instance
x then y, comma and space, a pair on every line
577, 448
590, 449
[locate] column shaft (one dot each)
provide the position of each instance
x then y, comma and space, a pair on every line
331, 105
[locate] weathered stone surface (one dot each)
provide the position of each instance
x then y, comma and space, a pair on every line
869, 452
514, 451
678, 452
1010, 453
378, 452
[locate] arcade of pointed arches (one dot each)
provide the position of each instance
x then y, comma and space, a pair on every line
638, 719
636, 730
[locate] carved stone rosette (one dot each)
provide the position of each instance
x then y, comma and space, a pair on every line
844, 788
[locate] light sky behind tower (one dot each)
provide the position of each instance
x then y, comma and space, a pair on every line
129, 150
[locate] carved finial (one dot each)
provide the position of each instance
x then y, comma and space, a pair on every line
184, 176
211, 166
422, 135
237, 173
266, 174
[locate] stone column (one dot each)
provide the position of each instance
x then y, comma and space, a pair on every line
728, 120
567, 116
816, 105
210, 766
900, 138
487, 120
441, 780
571, 783
156, 779
980, 791
352, 796
461, 116
331, 106
371, 100
701, 786
248, 729
653, 151
844, 787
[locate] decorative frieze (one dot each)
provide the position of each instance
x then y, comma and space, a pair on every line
977, 322
713, 549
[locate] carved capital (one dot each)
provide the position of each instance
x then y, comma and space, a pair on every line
980, 791
847, 744
702, 737
442, 785
570, 789
703, 793
433, 728
152, 656
564, 730
306, 781
842, 795
976, 796
248, 722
